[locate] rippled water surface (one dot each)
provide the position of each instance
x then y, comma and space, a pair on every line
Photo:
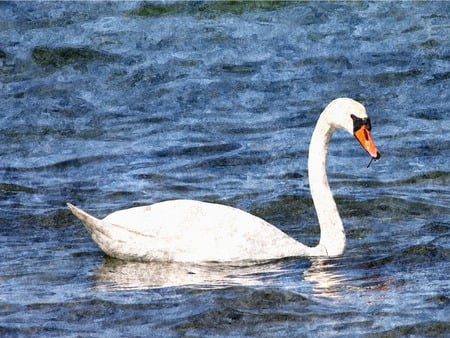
110, 105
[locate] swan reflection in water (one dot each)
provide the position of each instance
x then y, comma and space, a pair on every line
114, 275
325, 278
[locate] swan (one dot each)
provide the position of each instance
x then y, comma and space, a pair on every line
195, 231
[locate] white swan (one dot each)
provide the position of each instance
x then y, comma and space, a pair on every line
193, 231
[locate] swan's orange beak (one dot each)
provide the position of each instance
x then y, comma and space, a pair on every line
364, 137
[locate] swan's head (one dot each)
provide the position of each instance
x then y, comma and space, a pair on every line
350, 115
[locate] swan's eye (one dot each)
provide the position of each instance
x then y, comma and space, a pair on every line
359, 122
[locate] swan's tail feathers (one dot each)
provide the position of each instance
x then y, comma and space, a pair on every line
91, 223
109, 237
100, 231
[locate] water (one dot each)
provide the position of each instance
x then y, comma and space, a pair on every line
113, 105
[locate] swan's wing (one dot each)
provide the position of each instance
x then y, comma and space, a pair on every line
185, 230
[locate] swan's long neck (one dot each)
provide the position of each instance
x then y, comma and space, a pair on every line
332, 236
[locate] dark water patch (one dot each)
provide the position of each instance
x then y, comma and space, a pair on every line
424, 329
30, 330
425, 148
183, 188
436, 227
150, 76
426, 253
438, 78
154, 177
432, 178
360, 232
73, 316
240, 69
206, 9
248, 312
393, 78
290, 176
396, 207
377, 284
386, 207
287, 209
232, 321
267, 299
429, 114
158, 9
233, 161
219, 38
120, 194
428, 44
443, 300
222, 320
151, 120
240, 7
338, 62
62, 56
66, 131
202, 150
8, 188
243, 129
342, 180
413, 28
60, 218
97, 308
64, 165
413, 255
187, 63
30, 132
395, 58
6, 331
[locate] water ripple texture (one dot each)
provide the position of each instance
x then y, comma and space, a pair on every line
111, 105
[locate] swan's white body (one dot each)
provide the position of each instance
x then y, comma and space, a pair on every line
194, 231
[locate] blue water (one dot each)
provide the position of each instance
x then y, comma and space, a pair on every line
110, 105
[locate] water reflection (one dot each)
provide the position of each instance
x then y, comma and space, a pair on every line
115, 274
325, 278
321, 275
